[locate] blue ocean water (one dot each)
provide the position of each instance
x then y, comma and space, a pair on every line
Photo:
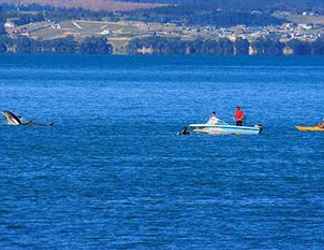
113, 174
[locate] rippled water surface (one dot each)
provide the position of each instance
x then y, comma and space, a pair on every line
112, 174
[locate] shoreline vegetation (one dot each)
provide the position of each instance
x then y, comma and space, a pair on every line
170, 30
164, 46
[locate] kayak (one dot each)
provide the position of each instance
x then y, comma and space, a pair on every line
310, 129
226, 129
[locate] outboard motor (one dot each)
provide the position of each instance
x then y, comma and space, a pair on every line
184, 131
260, 126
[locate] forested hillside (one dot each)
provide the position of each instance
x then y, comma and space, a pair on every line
230, 5
224, 13
242, 5
192, 15
107, 5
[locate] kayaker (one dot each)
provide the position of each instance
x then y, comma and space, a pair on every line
239, 116
321, 124
213, 120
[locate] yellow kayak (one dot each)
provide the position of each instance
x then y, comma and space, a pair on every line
310, 129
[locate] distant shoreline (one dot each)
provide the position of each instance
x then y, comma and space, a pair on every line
38, 29
163, 46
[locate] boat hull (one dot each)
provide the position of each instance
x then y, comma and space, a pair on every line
310, 129
225, 129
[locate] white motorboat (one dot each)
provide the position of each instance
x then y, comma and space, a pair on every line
225, 129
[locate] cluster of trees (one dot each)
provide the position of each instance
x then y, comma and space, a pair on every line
91, 45
163, 46
269, 47
23, 18
223, 46
204, 15
303, 48
2, 21
19, 18
35, 13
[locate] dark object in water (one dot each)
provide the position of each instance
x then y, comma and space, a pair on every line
184, 131
261, 127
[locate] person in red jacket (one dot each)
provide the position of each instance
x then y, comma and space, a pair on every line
239, 116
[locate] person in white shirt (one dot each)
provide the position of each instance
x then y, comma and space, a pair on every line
213, 120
